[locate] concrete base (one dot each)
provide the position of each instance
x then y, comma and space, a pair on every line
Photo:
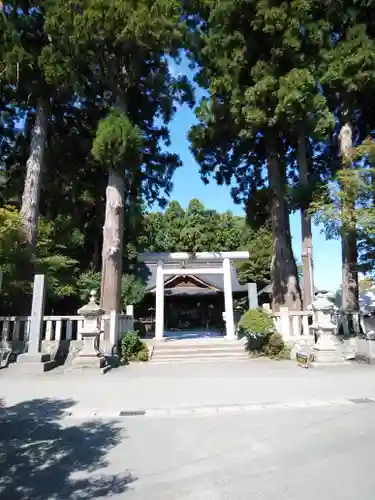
365, 351
88, 362
33, 363
328, 356
304, 345
230, 337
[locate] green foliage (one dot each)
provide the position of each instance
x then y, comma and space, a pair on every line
51, 256
261, 103
312, 69
257, 321
143, 354
198, 229
257, 326
347, 202
86, 282
132, 290
15, 256
133, 348
116, 141
257, 268
274, 345
284, 354
13, 243
366, 284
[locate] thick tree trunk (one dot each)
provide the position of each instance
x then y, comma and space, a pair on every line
110, 293
34, 167
349, 301
349, 297
285, 286
306, 226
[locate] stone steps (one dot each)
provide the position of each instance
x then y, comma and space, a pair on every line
182, 351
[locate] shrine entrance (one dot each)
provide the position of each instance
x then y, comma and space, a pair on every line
193, 292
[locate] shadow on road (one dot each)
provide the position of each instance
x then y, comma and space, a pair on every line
42, 458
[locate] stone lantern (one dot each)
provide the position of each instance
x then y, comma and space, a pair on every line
327, 348
90, 355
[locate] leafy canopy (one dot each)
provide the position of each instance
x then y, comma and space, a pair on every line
116, 140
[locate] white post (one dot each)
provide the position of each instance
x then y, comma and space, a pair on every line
228, 300
284, 323
159, 306
252, 295
113, 328
37, 312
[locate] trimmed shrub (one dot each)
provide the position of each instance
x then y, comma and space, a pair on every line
143, 354
132, 347
257, 326
274, 345
256, 321
285, 353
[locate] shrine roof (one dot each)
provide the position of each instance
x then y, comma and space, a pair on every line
147, 273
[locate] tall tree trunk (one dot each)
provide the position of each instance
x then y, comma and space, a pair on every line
110, 290
285, 286
34, 167
350, 293
349, 301
306, 226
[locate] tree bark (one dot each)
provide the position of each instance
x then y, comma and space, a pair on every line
110, 290
306, 226
34, 167
285, 286
113, 233
349, 300
350, 293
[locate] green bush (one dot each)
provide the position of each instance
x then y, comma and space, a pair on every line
133, 348
257, 326
274, 345
143, 354
256, 321
285, 353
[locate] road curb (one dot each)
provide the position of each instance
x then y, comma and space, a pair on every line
198, 411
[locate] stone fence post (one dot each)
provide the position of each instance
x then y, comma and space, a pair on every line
285, 323
33, 361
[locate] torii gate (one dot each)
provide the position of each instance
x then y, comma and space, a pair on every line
225, 270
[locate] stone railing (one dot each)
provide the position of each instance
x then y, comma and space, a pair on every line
125, 323
62, 328
58, 328
293, 325
14, 328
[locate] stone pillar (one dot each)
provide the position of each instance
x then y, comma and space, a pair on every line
130, 310
252, 293
37, 311
114, 329
159, 301
90, 355
228, 299
33, 361
284, 323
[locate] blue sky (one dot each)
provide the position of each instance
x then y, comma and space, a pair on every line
188, 185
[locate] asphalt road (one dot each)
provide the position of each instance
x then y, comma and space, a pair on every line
285, 454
